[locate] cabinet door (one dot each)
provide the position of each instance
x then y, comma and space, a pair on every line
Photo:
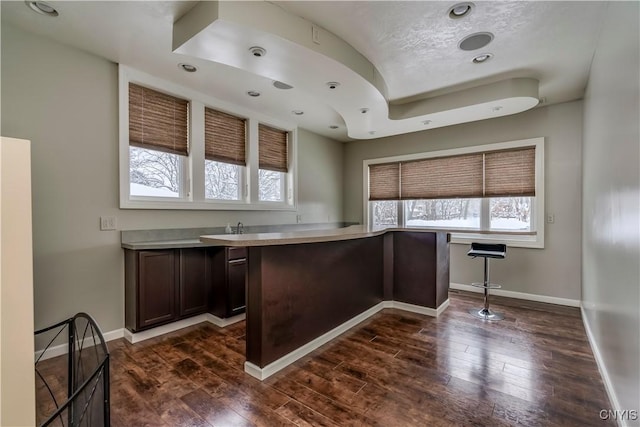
194, 281
236, 277
156, 287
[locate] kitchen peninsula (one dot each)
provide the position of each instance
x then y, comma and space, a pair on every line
306, 287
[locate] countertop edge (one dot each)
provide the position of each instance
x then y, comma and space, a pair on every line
169, 244
283, 238
301, 237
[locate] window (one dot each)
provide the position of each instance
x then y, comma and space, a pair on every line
180, 149
491, 192
225, 138
158, 143
273, 163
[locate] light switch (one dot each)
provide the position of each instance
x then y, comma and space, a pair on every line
551, 218
107, 223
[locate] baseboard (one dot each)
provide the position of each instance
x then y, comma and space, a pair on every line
519, 295
59, 350
134, 337
418, 308
223, 323
288, 359
608, 385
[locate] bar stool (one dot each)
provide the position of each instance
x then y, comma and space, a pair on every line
486, 251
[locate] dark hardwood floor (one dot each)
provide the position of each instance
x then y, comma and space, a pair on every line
395, 369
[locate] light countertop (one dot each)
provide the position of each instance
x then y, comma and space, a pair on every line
296, 237
165, 244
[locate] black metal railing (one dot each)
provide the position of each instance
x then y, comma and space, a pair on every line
86, 400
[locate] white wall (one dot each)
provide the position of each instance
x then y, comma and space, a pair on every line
611, 202
65, 101
553, 271
17, 388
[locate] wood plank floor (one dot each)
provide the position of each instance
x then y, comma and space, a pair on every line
395, 369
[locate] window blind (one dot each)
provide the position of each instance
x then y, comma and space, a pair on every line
505, 173
158, 121
384, 181
225, 137
510, 173
442, 178
272, 149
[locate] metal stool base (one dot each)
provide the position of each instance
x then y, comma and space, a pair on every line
485, 314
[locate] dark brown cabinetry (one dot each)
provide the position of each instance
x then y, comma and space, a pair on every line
195, 279
156, 288
229, 282
162, 286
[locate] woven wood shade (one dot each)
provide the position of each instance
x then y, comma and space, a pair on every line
442, 178
225, 137
272, 149
510, 173
158, 121
384, 181
506, 173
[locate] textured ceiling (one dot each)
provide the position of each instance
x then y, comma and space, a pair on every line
414, 44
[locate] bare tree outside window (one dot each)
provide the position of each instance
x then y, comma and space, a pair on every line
270, 186
511, 213
385, 213
454, 213
154, 173
222, 180
505, 213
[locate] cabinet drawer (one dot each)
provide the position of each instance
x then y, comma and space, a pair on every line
236, 253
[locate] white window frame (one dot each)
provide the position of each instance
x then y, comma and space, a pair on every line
192, 196
514, 239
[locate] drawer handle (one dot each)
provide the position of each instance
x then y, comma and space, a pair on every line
236, 261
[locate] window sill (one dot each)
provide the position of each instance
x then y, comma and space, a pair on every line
516, 240
204, 205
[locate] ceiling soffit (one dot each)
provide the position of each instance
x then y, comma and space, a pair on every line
225, 32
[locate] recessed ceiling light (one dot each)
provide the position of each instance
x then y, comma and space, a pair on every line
372, 132
42, 8
258, 51
333, 85
280, 85
497, 108
460, 10
188, 67
333, 127
298, 112
482, 58
364, 110
426, 122
253, 93
475, 41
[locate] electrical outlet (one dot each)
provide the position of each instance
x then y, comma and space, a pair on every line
108, 223
551, 218
298, 219
315, 34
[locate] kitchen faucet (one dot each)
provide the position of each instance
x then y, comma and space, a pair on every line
240, 228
